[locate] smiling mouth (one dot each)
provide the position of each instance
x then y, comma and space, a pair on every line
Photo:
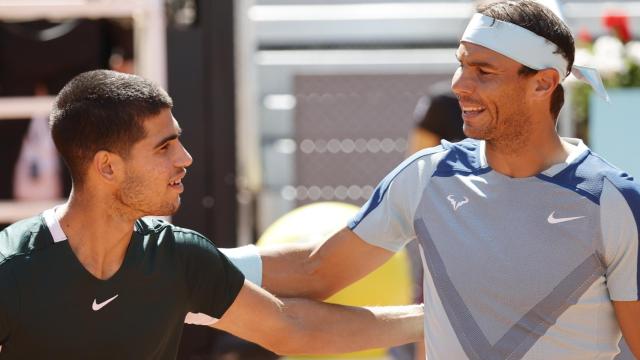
176, 185
472, 110
177, 182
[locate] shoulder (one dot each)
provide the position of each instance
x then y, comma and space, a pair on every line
418, 166
443, 160
23, 237
460, 157
429, 155
595, 178
618, 191
400, 191
166, 233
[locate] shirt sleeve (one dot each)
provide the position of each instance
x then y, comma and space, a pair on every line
247, 259
620, 211
386, 220
213, 282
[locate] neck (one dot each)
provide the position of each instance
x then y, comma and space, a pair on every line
97, 235
540, 150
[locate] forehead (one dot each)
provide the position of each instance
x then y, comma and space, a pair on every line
159, 127
469, 52
161, 122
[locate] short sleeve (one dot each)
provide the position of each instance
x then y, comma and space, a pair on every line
213, 282
386, 220
620, 208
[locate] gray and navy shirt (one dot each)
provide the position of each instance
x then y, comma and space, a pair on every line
515, 268
52, 308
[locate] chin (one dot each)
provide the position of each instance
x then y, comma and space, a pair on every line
171, 211
165, 210
478, 133
174, 207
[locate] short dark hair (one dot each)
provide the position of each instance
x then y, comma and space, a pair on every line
542, 21
102, 110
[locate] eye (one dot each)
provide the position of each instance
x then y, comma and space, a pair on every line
164, 147
483, 72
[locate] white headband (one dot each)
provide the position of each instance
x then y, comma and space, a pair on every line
527, 48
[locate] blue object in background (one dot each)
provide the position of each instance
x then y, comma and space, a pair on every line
614, 129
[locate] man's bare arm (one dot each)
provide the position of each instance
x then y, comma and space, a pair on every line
318, 271
301, 326
628, 315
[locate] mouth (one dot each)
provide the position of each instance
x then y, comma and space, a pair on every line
471, 111
176, 183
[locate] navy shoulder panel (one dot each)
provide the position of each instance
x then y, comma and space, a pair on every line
586, 176
624, 182
463, 157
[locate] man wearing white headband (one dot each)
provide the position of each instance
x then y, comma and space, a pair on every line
529, 241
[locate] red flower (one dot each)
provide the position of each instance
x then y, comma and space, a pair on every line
618, 22
584, 36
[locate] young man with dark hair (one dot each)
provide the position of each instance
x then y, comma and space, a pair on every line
529, 241
92, 279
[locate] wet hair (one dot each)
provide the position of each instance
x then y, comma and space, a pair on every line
102, 110
542, 21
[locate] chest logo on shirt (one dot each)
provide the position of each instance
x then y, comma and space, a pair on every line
456, 204
95, 306
556, 220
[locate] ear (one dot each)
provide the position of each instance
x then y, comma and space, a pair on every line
107, 165
545, 82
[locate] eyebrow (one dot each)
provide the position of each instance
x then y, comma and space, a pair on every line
168, 138
478, 63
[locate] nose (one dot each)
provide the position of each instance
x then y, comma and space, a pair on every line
185, 160
460, 83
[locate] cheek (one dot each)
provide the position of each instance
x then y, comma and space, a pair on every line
508, 96
147, 176
133, 187
156, 167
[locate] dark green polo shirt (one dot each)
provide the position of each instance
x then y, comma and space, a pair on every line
51, 307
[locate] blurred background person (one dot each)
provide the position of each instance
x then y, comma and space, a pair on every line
438, 117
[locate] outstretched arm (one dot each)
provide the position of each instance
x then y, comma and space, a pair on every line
385, 222
301, 326
319, 270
